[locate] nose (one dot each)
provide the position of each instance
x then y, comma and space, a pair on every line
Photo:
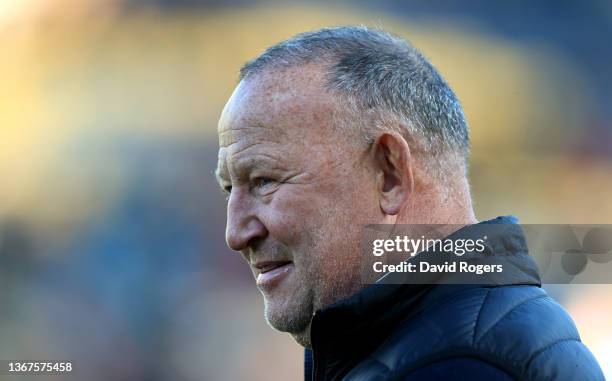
243, 224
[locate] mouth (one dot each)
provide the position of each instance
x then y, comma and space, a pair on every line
271, 273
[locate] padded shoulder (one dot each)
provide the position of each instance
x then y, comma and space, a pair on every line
461, 368
518, 329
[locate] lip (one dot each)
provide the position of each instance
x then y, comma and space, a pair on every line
272, 273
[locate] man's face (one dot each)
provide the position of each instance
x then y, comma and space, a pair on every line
299, 193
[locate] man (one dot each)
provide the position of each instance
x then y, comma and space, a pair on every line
336, 129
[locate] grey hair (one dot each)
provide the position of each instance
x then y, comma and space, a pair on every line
383, 78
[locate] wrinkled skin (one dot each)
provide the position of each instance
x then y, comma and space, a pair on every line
299, 192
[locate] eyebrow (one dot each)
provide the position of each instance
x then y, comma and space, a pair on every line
247, 165
220, 178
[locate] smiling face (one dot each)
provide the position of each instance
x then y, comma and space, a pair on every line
299, 193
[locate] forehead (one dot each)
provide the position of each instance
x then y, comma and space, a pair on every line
288, 106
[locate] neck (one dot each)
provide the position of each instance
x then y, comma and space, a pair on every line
443, 204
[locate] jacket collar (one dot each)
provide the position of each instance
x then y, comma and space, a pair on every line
345, 332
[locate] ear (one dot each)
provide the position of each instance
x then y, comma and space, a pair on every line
393, 166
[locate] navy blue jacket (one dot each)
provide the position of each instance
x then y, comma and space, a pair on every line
418, 332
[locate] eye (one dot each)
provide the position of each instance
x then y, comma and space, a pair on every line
226, 190
263, 185
261, 182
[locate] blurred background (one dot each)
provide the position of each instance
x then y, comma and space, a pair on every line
112, 251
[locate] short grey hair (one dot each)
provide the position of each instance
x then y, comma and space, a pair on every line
380, 75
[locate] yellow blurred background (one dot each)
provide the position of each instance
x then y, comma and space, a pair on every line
112, 250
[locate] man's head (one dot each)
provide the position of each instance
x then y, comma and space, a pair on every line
327, 132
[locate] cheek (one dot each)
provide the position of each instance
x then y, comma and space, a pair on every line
290, 217
326, 218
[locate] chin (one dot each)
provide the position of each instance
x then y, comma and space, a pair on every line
287, 315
